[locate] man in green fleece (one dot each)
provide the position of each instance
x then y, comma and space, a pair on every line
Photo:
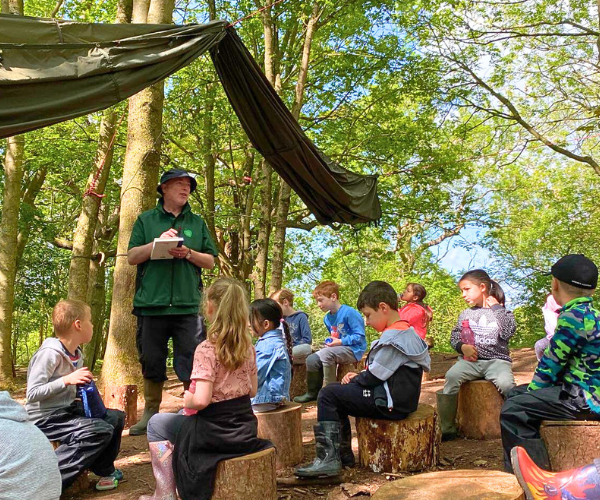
168, 291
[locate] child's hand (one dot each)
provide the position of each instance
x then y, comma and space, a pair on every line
348, 377
188, 399
333, 342
469, 352
81, 376
491, 301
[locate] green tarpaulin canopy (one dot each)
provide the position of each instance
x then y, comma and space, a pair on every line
51, 71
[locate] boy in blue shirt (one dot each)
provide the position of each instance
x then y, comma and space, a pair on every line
347, 342
389, 387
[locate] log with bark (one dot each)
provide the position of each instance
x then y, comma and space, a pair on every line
405, 445
124, 398
453, 485
283, 427
571, 444
251, 477
298, 385
479, 405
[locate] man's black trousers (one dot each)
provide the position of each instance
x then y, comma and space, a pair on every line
152, 339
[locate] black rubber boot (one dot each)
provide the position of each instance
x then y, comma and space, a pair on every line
346, 453
447, 404
314, 383
327, 462
153, 397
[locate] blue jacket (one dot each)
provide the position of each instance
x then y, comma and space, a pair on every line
351, 327
274, 369
299, 328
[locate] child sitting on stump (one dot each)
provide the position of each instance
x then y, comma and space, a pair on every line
481, 335
347, 342
54, 373
389, 387
297, 322
273, 355
566, 382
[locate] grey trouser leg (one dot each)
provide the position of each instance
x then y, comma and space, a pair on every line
301, 350
497, 371
165, 427
329, 356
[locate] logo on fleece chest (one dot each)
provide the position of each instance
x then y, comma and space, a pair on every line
485, 330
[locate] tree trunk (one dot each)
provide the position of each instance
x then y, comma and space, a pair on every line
138, 193
283, 427
96, 298
83, 239
9, 230
33, 189
285, 191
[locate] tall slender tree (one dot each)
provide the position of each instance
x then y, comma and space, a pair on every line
9, 230
138, 193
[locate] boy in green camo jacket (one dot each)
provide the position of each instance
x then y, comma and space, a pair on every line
566, 383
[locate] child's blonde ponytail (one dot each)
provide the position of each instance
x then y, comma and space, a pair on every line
229, 328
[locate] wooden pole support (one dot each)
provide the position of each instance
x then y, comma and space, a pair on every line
393, 446
453, 485
479, 405
124, 398
571, 443
283, 427
251, 477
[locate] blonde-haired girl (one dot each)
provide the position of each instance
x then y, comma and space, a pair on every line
217, 421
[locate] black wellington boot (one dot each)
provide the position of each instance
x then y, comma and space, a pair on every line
327, 462
346, 453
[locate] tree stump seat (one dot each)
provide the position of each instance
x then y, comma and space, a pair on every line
343, 369
479, 405
298, 385
251, 477
283, 427
453, 485
405, 445
571, 443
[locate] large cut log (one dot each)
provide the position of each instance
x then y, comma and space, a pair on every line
393, 446
453, 485
124, 398
343, 369
298, 385
571, 443
283, 427
479, 405
251, 477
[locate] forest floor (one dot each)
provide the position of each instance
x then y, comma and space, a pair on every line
134, 459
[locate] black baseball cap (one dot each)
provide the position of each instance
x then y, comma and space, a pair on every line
175, 173
576, 270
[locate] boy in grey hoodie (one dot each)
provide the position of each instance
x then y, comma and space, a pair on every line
29, 471
54, 372
389, 388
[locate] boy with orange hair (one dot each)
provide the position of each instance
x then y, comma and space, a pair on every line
347, 342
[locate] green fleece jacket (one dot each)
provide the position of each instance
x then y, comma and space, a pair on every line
169, 286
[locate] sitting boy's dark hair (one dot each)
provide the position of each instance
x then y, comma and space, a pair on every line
575, 291
375, 293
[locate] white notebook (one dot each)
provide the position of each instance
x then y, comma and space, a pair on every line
161, 247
